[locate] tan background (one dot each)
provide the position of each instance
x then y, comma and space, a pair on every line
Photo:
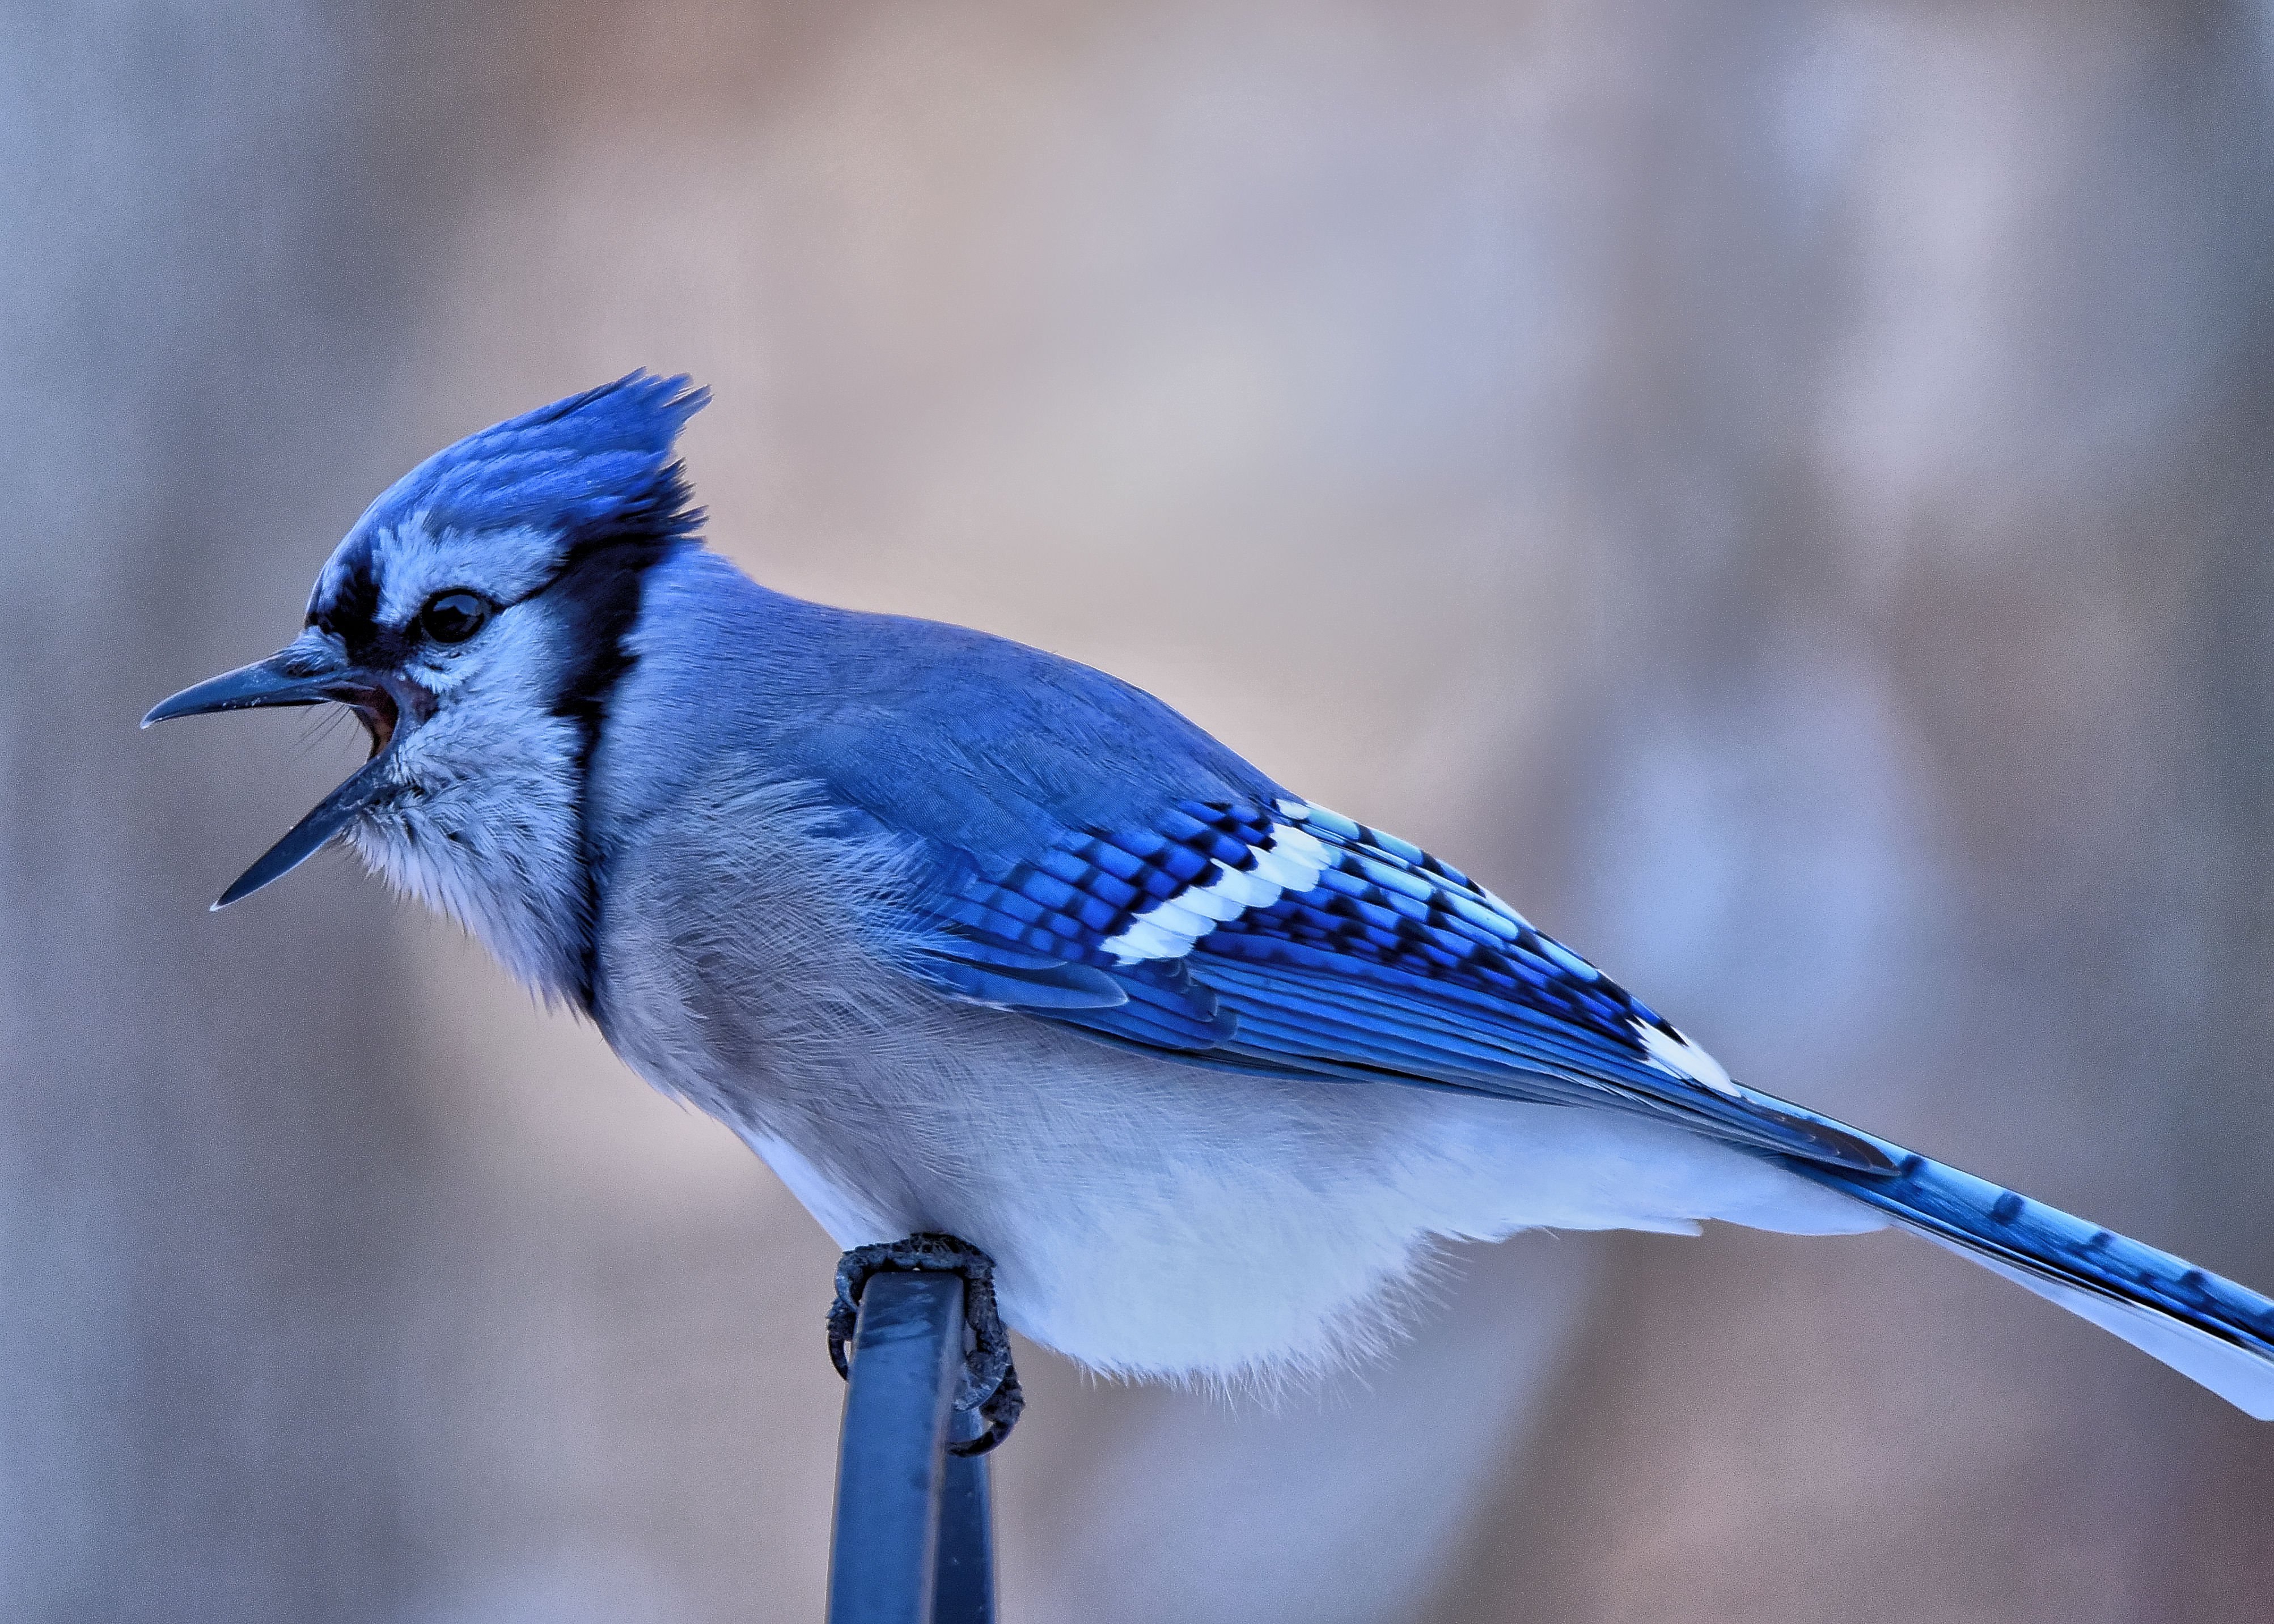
1781, 490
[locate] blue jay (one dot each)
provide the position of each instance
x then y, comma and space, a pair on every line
969, 941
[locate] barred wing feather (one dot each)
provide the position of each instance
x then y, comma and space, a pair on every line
1289, 940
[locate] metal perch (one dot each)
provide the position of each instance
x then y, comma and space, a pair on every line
911, 1544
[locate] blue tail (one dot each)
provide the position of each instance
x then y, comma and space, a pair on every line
2212, 1330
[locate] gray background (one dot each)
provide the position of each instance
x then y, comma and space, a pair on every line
1780, 490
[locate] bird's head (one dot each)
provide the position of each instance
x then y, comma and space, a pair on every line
473, 619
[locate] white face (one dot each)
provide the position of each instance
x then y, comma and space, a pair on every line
483, 819
479, 815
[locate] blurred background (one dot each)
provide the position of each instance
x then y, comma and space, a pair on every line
1781, 490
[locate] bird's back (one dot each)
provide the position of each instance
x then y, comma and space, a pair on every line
972, 739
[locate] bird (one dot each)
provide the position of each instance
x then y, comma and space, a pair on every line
1003, 965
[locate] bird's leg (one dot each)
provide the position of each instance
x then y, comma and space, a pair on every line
990, 1384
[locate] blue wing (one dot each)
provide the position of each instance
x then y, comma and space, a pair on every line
1293, 941
1288, 939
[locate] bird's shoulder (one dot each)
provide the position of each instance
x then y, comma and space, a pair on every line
948, 734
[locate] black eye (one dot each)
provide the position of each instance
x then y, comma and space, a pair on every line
453, 617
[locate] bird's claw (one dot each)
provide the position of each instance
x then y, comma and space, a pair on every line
991, 1382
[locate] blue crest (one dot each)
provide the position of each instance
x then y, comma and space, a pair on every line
594, 466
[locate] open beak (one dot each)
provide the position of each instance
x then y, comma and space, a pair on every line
308, 672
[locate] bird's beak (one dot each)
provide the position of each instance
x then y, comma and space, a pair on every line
308, 672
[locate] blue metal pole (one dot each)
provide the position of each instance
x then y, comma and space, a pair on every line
965, 1591
891, 1471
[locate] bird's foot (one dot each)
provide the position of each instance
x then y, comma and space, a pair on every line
990, 1384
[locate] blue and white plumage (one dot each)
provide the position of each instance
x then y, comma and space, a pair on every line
964, 938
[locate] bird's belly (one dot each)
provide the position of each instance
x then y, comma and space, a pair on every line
1146, 1216
1152, 1218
